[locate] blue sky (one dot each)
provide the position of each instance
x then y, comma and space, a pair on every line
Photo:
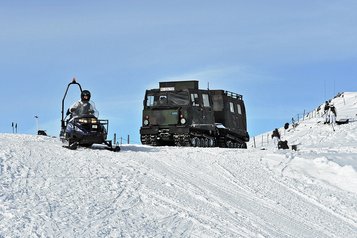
283, 56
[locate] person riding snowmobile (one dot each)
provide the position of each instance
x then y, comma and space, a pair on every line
83, 107
83, 127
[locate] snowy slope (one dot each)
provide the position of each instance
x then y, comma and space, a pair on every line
142, 191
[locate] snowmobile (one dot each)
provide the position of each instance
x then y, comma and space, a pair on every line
84, 130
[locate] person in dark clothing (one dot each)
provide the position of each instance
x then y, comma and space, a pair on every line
276, 136
84, 106
332, 114
326, 109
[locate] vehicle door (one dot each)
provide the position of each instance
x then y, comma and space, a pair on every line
201, 108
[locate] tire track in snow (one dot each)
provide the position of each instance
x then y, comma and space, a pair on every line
155, 192
296, 212
216, 195
300, 189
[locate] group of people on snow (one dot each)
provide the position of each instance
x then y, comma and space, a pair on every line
329, 114
280, 144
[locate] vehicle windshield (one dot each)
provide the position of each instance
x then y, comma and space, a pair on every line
167, 99
84, 109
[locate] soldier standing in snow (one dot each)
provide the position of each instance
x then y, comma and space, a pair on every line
276, 136
326, 109
332, 114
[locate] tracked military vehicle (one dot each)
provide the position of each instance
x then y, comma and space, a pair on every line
179, 113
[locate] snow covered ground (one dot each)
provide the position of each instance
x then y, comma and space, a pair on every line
143, 191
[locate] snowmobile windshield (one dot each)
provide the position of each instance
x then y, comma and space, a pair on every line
167, 99
83, 109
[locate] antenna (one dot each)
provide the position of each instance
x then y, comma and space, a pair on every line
325, 90
334, 87
207, 85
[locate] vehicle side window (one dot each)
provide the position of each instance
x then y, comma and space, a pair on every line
205, 99
150, 101
194, 99
231, 106
239, 109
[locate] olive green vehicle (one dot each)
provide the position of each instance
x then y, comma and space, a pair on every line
179, 113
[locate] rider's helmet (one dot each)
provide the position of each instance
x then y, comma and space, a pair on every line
85, 95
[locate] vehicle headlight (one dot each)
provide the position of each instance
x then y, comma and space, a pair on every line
182, 120
88, 120
146, 122
83, 120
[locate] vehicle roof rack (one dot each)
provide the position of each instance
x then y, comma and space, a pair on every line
233, 95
